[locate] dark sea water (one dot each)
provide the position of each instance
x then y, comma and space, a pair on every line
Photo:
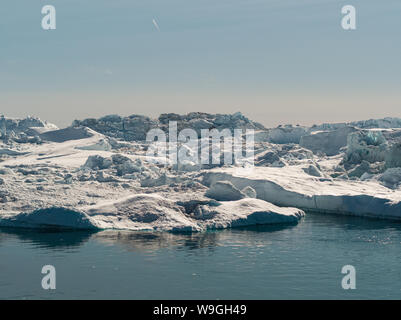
303, 261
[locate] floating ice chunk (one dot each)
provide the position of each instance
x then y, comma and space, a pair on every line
50, 218
289, 187
248, 212
154, 212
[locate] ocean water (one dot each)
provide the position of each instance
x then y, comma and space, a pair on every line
302, 261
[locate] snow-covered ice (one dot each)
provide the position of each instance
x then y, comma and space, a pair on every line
291, 186
96, 174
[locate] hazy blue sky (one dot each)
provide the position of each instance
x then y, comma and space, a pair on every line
277, 61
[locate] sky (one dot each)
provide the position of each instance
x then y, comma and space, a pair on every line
276, 61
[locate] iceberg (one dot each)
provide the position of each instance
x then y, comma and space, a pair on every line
97, 174
155, 213
295, 188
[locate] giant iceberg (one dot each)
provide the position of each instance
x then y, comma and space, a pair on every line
97, 174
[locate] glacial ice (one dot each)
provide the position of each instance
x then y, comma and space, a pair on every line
224, 191
145, 212
56, 218
326, 142
293, 187
96, 175
391, 177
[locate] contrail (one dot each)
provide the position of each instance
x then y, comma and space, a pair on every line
155, 24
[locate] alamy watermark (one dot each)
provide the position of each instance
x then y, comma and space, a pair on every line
49, 280
349, 280
202, 147
49, 20
348, 21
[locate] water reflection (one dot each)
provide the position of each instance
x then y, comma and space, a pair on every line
354, 223
152, 241
147, 241
49, 239
134, 240
253, 262
266, 228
